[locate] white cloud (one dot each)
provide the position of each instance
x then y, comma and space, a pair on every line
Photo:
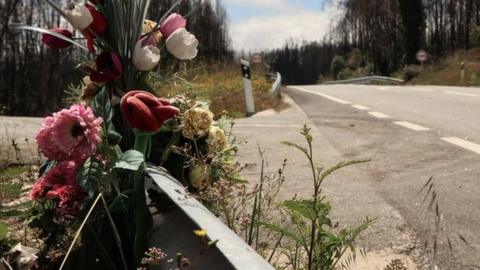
261, 3
272, 31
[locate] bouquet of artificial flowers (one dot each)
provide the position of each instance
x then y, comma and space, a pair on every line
97, 148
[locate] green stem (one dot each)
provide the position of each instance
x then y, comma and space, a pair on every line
142, 215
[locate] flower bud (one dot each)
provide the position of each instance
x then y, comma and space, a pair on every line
55, 42
79, 16
199, 176
182, 44
171, 24
146, 112
108, 66
146, 55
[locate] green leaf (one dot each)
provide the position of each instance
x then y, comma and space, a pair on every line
303, 149
102, 106
287, 232
308, 210
3, 231
304, 208
89, 176
339, 166
130, 160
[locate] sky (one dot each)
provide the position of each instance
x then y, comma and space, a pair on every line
265, 24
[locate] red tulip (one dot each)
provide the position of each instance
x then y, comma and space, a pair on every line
146, 112
88, 20
98, 26
55, 42
108, 66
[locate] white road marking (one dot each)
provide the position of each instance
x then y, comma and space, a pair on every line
379, 115
268, 125
421, 89
341, 101
463, 143
383, 88
361, 107
460, 93
411, 126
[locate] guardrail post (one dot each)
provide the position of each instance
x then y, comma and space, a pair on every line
277, 84
247, 84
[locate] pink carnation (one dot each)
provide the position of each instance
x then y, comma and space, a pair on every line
38, 190
69, 200
60, 184
70, 134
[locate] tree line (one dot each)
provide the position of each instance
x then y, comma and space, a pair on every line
382, 37
33, 78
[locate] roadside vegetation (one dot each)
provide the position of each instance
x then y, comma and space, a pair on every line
447, 71
221, 85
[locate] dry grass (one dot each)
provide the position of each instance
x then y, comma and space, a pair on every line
222, 85
447, 71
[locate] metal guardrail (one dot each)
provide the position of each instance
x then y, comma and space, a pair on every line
173, 231
277, 84
367, 80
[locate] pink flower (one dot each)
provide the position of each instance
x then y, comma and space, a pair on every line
70, 198
60, 184
171, 24
70, 134
38, 190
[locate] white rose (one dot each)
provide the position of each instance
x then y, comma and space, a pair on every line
182, 44
199, 176
79, 16
145, 57
196, 123
216, 140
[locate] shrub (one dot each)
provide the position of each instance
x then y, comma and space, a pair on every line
338, 64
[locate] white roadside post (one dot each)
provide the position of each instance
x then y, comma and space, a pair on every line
247, 84
462, 71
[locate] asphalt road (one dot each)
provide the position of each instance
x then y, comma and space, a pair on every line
411, 134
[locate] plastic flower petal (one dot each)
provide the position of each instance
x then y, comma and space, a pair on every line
70, 134
69, 198
89, 21
172, 23
146, 55
148, 26
55, 184
182, 44
216, 139
146, 112
108, 66
79, 16
196, 123
55, 42
99, 23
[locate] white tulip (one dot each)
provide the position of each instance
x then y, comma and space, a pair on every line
182, 44
145, 57
79, 16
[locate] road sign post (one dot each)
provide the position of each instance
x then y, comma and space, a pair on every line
421, 57
247, 84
